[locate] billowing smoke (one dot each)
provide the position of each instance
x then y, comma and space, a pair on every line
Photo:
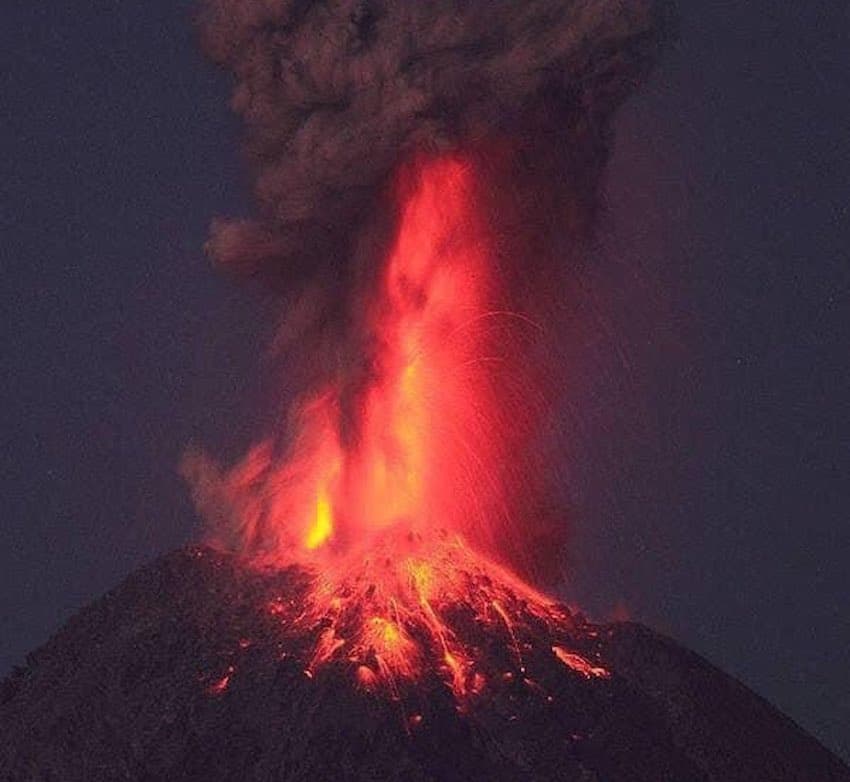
337, 96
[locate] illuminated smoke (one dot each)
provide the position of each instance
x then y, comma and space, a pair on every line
425, 173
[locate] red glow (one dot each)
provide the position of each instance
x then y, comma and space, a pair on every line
579, 664
219, 686
399, 519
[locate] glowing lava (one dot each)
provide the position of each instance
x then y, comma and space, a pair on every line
391, 493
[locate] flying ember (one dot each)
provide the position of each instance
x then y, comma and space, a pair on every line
392, 490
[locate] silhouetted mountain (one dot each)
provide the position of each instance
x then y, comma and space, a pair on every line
181, 673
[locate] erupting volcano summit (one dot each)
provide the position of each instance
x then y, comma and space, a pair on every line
399, 507
371, 597
194, 669
426, 174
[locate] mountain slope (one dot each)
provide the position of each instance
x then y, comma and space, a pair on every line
183, 673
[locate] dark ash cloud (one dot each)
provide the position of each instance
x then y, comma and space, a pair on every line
334, 94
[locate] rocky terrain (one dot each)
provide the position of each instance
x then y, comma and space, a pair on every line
184, 672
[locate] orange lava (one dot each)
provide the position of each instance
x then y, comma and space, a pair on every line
390, 491
579, 664
220, 685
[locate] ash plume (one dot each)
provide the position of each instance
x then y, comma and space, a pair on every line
334, 94
337, 99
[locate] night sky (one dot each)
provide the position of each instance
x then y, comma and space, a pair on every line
709, 423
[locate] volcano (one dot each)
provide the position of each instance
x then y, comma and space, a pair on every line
366, 606
197, 667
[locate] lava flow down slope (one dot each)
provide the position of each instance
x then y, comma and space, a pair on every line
194, 669
372, 596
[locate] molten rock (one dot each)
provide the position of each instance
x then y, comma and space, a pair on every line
429, 168
200, 667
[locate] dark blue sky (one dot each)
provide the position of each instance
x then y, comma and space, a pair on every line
710, 430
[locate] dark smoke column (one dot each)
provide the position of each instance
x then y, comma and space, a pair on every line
334, 95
